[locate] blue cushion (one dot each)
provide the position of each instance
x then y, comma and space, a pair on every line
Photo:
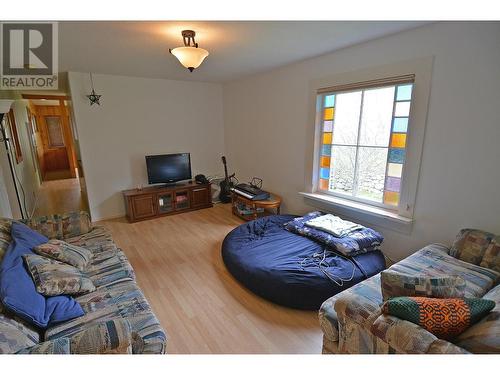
17, 289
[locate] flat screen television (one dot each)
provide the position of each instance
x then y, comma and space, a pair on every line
168, 168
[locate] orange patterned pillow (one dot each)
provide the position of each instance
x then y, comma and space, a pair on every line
445, 318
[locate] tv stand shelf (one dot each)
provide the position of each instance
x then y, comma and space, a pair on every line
158, 201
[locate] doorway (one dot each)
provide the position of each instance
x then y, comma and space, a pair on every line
54, 143
53, 139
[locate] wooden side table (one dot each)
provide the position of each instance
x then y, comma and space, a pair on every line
268, 205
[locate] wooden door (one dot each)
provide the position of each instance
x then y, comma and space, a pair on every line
143, 206
55, 152
200, 196
57, 139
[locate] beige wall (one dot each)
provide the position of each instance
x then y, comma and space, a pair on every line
139, 117
266, 121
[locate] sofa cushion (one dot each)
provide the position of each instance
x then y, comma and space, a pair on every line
61, 226
470, 245
484, 336
12, 339
76, 256
121, 299
433, 260
396, 284
17, 290
14, 333
53, 278
108, 264
444, 317
491, 257
109, 267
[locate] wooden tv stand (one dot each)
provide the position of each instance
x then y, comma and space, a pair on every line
158, 201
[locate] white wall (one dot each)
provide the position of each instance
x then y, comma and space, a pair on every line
5, 206
266, 117
27, 178
138, 117
25, 170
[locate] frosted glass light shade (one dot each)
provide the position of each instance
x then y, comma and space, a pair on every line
190, 57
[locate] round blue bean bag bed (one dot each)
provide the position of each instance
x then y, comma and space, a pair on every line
283, 267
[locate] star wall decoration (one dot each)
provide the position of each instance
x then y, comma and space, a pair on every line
94, 98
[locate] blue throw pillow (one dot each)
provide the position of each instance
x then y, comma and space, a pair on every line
17, 289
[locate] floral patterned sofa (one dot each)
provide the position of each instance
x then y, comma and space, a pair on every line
352, 321
118, 318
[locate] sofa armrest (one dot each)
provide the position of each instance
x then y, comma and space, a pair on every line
439, 247
407, 337
61, 226
445, 347
328, 319
358, 308
57, 346
109, 337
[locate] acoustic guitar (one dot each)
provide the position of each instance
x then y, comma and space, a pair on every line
226, 184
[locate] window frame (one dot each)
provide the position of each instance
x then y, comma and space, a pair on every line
399, 219
364, 86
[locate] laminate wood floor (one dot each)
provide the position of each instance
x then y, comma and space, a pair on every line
57, 175
59, 196
202, 307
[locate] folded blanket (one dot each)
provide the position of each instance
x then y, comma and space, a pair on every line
334, 225
361, 241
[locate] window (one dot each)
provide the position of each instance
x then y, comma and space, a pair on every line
363, 146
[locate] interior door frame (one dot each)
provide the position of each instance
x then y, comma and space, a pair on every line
65, 124
31, 128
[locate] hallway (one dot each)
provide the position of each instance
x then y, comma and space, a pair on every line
59, 196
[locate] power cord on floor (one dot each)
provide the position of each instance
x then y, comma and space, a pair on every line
319, 260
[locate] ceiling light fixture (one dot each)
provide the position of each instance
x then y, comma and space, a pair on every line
190, 56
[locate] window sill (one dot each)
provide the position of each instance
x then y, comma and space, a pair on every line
364, 212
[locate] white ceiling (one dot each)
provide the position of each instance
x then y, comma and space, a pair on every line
236, 49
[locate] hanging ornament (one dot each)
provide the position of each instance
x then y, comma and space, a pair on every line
93, 97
